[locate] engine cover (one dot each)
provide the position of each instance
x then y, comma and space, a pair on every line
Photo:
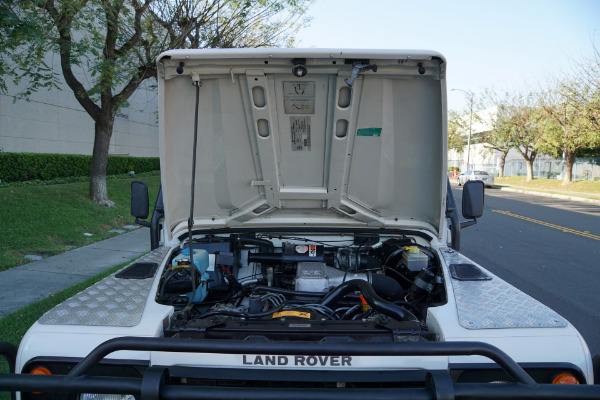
318, 277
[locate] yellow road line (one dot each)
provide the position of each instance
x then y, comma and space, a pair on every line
560, 228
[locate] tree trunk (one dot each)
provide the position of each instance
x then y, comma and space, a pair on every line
570, 161
502, 162
529, 170
103, 134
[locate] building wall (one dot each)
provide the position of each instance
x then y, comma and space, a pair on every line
54, 122
481, 158
479, 155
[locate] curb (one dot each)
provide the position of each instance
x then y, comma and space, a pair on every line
554, 195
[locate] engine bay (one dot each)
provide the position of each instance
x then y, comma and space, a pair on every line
315, 287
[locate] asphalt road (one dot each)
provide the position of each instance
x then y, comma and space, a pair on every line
548, 248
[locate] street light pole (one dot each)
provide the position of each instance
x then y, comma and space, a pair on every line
470, 123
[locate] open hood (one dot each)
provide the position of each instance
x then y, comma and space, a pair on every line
304, 137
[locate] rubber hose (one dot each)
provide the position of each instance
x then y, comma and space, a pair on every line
377, 303
386, 287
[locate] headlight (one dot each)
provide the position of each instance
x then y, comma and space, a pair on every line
97, 396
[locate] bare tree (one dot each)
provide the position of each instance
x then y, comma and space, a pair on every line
588, 78
573, 107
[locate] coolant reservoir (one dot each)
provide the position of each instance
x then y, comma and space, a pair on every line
201, 263
414, 259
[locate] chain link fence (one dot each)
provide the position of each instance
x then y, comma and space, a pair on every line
583, 169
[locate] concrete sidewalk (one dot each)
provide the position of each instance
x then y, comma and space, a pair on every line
26, 284
549, 193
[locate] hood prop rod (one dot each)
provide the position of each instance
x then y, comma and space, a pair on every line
197, 83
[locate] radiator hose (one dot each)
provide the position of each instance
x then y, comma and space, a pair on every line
373, 300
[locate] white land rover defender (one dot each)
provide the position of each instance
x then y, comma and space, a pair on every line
305, 245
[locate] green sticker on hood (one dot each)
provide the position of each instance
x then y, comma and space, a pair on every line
369, 132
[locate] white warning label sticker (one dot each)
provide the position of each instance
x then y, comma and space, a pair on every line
299, 106
300, 129
299, 97
299, 89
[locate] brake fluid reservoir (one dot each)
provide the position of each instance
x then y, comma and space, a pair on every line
201, 263
414, 259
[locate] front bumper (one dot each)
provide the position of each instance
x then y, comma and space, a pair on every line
156, 382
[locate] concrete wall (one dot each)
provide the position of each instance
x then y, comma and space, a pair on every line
54, 122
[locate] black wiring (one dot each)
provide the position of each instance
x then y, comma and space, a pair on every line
313, 307
241, 314
225, 300
249, 277
325, 243
351, 311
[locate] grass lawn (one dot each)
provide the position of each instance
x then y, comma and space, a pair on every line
15, 325
577, 187
46, 220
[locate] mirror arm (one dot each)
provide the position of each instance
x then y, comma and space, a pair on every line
452, 214
468, 223
143, 223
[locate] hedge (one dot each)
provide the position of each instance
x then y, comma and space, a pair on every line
18, 167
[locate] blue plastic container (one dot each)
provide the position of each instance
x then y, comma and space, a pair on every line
201, 263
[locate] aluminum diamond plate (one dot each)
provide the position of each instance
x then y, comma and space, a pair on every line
497, 304
110, 302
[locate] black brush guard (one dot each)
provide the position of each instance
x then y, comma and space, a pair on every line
155, 382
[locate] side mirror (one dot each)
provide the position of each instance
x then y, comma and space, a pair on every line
139, 200
472, 201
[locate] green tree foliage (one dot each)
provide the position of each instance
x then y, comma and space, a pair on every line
518, 123
594, 152
573, 108
17, 28
107, 48
571, 128
563, 119
499, 136
460, 126
526, 128
456, 129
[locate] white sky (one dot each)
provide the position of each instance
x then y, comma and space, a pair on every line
508, 45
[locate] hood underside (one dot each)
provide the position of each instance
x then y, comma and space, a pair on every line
358, 140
